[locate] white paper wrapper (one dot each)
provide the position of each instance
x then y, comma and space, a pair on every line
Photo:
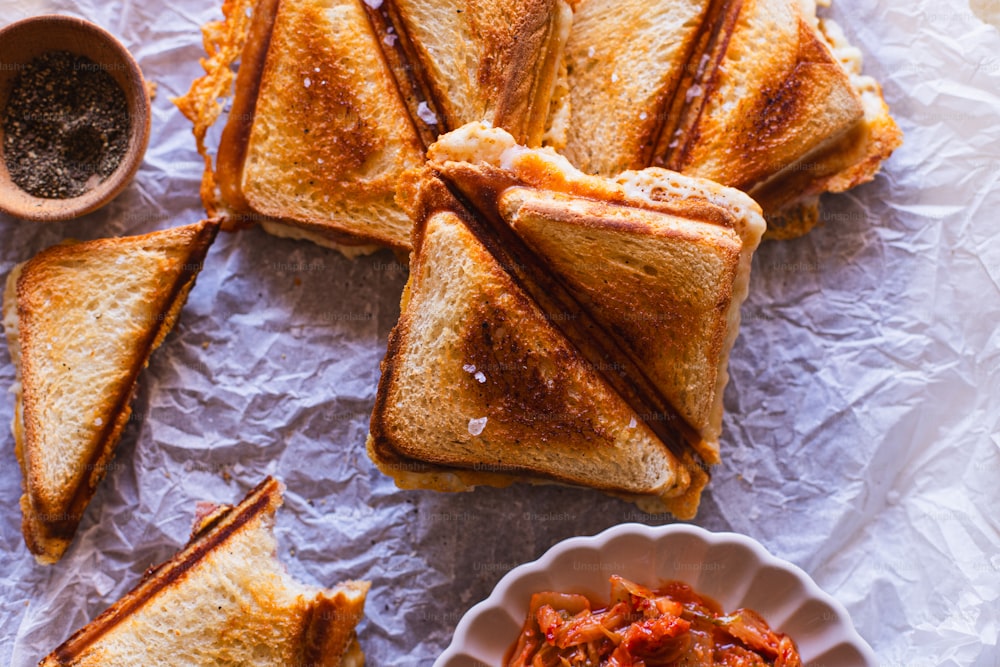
862, 436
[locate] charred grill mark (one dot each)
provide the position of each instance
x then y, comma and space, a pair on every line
326, 93
410, 78
524, 386
717, 30
779, 106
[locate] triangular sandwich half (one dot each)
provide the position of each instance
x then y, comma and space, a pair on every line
81, 322
754, 94
225, 599
318, 133
579, 327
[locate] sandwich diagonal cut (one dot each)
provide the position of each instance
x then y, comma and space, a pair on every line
580, 326
496, 61
225, 599
82, 321
334, 99
754, 94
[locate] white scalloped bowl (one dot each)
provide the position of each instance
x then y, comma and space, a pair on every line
732, 569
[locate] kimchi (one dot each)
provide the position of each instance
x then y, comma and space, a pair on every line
641, 627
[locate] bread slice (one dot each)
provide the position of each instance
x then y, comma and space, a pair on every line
494, 61
619, 277
81, 322
625, 61
225, 599
786, 124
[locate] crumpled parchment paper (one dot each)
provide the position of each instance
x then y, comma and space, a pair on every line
862, 434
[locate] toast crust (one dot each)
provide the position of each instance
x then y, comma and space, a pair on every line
224, 41
52, 509
619, 109
412, 83
324, 627
236, 132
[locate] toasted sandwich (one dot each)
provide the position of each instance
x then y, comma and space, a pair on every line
81, 322
334, 99
579, 326
225, 599
497, 61
755, 94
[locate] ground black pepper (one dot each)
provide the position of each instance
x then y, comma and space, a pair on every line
66, 126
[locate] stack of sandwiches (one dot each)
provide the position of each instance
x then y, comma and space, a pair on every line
580, 326
596, 312
335, 99
581, 185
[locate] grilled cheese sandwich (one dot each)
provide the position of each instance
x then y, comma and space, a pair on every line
551, 373
82, 321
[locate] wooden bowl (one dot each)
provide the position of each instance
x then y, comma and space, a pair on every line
22, 42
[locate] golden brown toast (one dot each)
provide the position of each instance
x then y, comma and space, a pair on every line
334, 99
750, 94
225, 599
550, 372
493, 61
81, 323
314, 147
521, 400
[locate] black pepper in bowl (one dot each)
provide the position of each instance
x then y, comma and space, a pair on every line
66, 126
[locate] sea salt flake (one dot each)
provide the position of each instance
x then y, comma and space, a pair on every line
426, 114
476, 426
